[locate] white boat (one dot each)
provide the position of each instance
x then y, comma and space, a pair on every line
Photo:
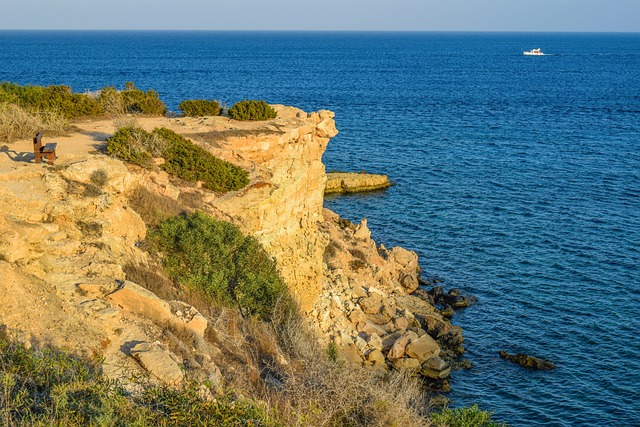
533, 52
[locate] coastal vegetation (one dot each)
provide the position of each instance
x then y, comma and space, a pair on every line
25, 110
270, 354
252, 110
182, 158
214, 259
199, 108
48, 386
470, 416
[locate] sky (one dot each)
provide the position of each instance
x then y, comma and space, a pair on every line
341, 15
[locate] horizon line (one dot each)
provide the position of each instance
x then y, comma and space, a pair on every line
320, 30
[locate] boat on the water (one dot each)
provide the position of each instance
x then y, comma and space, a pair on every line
533, 52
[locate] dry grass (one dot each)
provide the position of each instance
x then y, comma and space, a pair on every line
17, 123
154, 208
320, 392
282, 363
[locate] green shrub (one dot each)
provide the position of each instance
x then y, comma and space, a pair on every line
138, 102
192, 163
130, 144
59, 99
51, 387
252, 110
182, 158
199, 108
470, 416
214, 258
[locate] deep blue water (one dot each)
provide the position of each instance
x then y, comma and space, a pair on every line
518, 178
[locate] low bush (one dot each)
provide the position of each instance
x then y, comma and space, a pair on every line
59, 99
470, 416
252, 110
132, 144
214, 258
199, 108
52, 387
182, 158
137, 101
193, 163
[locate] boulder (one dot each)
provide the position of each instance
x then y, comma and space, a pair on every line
374, 342
371, 328
357, 316
423, 348
527, 361
400, 323
435, 368
376, 358
138, 300
390, 340
157, 363
398, 348
372, 304
406, 364
350, 354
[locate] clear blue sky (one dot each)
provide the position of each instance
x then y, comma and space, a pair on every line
421, 15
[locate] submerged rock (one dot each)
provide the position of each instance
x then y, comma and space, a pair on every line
527, 361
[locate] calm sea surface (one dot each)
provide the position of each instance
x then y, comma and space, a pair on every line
518, 178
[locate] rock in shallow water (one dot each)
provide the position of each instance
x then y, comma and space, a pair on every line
527, 361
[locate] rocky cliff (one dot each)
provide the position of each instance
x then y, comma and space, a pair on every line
64, 242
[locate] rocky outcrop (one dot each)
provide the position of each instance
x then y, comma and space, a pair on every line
140, 301
351, 182
282, 207
367, 304
527, 361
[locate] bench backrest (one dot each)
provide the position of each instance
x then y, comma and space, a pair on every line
37, 141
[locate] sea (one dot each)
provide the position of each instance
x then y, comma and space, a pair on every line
517, 178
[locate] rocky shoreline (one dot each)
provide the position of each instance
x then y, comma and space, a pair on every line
352, 182
372, 310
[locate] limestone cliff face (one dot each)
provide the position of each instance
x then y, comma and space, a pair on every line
282, 207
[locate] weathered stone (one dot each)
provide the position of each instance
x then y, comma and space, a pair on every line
358, 292
406, 364
527, 361
409, 282
360, 343
157, 363
350, 354
423, 348
136, 299
371, 328
371, 304
376, 357
435, 368
389, 340
357, 316
374, 342
378, 319
398, 348
400, 323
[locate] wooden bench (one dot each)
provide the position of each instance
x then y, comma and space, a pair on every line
48, 151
